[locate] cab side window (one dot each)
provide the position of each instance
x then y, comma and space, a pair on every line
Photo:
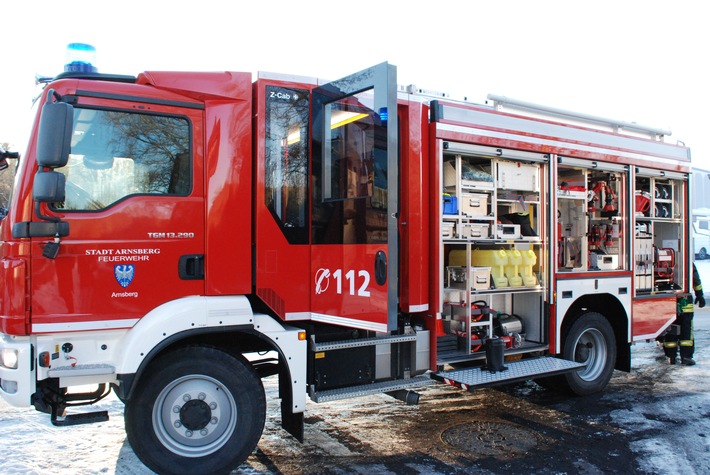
116, 154
287, 154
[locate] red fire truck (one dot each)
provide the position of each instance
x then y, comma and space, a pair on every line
176, 237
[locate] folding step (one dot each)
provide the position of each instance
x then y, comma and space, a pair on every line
479, 377
60, 418
368, 389
339, 345
81, 418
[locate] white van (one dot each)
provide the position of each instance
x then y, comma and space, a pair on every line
701, 237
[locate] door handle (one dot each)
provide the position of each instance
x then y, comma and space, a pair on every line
380, 267
191, 267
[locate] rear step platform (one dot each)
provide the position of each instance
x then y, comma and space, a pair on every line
480, 377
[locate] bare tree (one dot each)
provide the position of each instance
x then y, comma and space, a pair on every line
7, 177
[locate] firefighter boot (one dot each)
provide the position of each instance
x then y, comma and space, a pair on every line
670, 348
687, 361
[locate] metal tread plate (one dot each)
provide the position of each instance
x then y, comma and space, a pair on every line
339, 345
479, 377
369, 389
81, 370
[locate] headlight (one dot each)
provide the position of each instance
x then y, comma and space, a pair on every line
8, 358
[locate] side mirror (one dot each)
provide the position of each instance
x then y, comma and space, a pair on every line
55, 133
4, 155
49, 187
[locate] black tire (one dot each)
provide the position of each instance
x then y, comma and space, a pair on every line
590, 340
196, 410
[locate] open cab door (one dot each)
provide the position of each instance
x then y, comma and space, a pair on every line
354, 263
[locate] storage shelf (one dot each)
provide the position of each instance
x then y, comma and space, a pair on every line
508, 290
508, 200
482, 188
573, 195
491, 241
660, 220
449, 218
502, 290
477, 217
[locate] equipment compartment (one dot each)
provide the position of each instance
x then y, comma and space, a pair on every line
495, 265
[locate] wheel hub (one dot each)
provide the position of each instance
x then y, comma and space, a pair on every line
591, 349
195, 414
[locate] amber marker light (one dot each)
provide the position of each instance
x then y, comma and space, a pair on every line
43, 359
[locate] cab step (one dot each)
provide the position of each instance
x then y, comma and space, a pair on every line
80, 418
523, 370
59, 406
368, 389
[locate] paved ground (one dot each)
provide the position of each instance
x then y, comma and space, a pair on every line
652, 420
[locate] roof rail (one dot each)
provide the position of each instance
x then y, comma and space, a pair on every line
499, 101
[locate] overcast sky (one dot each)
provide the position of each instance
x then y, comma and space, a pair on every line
636, 61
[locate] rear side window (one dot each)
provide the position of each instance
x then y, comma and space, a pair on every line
287, 160
116, 154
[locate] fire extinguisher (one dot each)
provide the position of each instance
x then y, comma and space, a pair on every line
608, 236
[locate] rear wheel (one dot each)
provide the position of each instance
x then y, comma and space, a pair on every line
196, 410
590, 340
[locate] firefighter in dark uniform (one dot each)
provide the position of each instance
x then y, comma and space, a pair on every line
684, 342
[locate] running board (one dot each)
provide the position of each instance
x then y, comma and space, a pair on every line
359, 342
368, 389
523, 370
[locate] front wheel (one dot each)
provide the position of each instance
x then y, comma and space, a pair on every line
196, 410
590, 340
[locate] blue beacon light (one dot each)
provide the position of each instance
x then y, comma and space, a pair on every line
80, 58
383, 115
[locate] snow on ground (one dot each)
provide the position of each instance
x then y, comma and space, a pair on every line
30, 444
682, 394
